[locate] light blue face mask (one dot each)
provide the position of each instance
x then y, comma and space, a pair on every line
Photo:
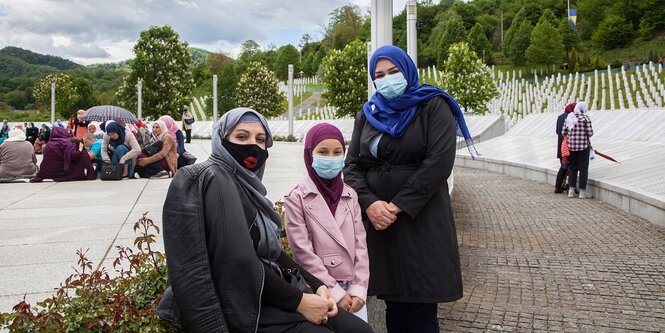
391, 86
327, 167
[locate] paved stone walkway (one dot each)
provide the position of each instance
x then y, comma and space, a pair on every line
535, 261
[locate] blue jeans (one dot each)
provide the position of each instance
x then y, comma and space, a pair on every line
118, 153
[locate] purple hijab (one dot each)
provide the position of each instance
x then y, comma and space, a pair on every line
59, 142
330, 189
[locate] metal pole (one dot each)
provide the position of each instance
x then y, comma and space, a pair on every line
52, 103
568, 13
290, 100
214, 100
411, 33
140, 101
301, 87
370, 86
502, 30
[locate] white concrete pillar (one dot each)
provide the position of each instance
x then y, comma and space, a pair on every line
139, 102
52, 103
382, 23
411, 33
290, 99
214, 100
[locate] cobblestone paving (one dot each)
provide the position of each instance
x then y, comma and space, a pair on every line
535, 261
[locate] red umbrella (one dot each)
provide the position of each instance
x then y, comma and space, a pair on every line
605, 156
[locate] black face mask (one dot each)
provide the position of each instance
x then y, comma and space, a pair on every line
252, 157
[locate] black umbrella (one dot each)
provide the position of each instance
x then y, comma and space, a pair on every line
109, 112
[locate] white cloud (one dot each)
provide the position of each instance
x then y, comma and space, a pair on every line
102, 30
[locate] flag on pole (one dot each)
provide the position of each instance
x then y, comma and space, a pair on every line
572, 18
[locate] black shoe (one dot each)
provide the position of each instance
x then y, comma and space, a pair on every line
558, 190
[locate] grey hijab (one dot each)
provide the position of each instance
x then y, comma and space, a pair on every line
267, 220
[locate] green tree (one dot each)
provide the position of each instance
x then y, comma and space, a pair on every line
287, 55
65, 94
258, 89
479, 43
227, 82
162, 62
550, 17
515, 51
16, 98
569, 36
590, 13
345, 74
84, 91
653, 19
467, 79
546, 46
452, 31
248, 50
491, 24
344, 26
512, 30
613, 32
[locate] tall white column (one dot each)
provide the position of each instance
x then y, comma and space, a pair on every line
290, 99
382, 23
411, 33
214, 100
139, 103
370, 86
52, 103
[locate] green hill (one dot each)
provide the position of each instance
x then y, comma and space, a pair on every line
37, 59
199, 56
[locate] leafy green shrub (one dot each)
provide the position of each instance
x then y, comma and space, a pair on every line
288, 138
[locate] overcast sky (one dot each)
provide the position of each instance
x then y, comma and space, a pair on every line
96, 31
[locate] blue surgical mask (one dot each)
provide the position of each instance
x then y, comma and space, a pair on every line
391, 86
327, 167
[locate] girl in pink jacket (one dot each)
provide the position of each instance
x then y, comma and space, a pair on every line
324, 224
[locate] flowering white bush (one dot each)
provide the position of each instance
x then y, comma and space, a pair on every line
163, 63
65, 93
345, 75
258, 89
467, 79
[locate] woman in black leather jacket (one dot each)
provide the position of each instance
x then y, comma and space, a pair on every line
227, 271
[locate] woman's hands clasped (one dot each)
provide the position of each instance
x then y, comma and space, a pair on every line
382, 214
317, 308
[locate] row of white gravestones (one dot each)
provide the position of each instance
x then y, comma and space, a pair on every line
641, 89
197, 108
316, 113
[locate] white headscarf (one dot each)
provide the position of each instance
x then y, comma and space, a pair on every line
15, 135
571, 120
162, 126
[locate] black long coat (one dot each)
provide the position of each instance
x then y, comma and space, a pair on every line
417, 258
560, 120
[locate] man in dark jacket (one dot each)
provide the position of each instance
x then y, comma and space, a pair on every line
31, 133
563, 169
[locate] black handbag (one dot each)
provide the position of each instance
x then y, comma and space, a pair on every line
293, 277
186, 159
153, 148
111, 171
189, 121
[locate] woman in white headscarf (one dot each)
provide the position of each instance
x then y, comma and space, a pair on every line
17, 158
579, 130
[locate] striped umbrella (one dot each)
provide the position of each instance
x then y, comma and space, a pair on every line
109, 112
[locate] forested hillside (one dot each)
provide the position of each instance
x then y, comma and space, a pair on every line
513, 34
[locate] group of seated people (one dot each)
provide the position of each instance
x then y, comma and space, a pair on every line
143, 150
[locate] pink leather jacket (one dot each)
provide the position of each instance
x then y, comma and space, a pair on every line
331, 248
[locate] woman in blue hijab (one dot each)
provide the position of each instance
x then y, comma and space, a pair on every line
401, 154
